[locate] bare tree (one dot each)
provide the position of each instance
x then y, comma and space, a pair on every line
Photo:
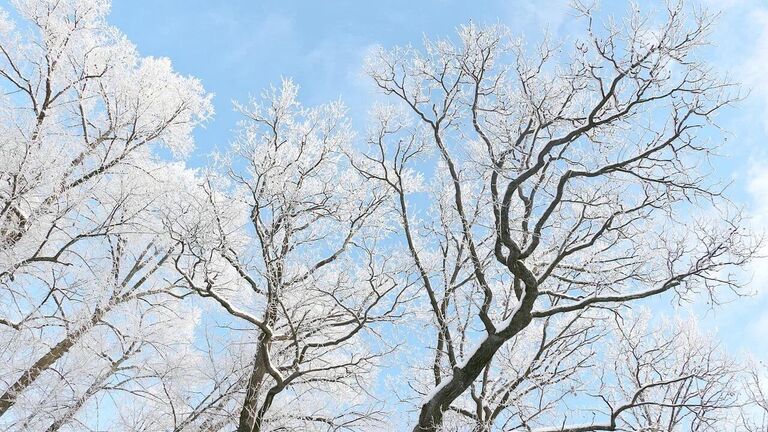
285, 238
660, 376
571, 187
552, 352
754, 413
79, 248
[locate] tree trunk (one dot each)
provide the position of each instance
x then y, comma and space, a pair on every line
250, 408
431, 414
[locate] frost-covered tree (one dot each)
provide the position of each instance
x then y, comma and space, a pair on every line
284, 235
755, 414
82, 302
663, 376
564, 181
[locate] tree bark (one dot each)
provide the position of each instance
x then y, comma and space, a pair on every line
265, 407
249, 412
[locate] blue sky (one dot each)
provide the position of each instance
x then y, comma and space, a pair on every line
239, 47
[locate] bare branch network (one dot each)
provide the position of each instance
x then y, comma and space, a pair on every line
475, 260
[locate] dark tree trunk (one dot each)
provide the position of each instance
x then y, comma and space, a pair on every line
249, 412
431, 414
